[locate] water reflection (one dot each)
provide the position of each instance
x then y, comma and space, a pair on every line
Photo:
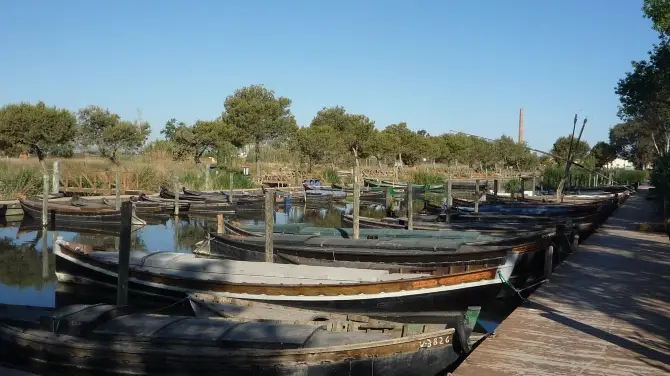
27, 274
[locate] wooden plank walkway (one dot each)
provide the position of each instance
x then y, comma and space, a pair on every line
605, 311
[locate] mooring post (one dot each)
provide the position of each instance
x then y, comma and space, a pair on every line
523, 187
45, 253
55, 178
548, 261
444, 192
389, 199
410, 214
45, 200
477, 196
208, 184
124, 253
357, 200
219, 223
269, 225
610, 182
231, 180
176, 196
118, 190
534, 185
450, 199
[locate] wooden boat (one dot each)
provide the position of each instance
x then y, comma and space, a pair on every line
118, 340
236, 228
29, 225
190, 192
166, 194
10, 209
63, 213
327, 288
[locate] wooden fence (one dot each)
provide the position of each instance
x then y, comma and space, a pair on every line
98, 182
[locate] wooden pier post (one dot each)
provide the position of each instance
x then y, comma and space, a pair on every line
610, 182
269, 225
45, 200
55, 178
523, 187
124, 253
534, 185
410, 214
444, 192
117, 189
389, 199
219, 223
176, 196
477, 196
357, 200
496, 186
450, 198
208, 183
548, 261
231, 180
45, 254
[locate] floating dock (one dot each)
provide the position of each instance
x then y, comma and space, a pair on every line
604, 311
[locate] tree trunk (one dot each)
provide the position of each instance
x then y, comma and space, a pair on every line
258, 159
310, 165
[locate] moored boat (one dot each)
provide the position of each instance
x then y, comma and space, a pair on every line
118, 340
63, 213
327, 288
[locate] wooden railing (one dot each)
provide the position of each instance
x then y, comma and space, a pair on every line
98, 182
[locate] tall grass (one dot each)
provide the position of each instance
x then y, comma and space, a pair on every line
19, 182
426, 177
553, 174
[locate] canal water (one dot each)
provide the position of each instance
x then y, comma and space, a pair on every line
27, 273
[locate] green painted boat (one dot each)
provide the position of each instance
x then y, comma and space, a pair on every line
345, 232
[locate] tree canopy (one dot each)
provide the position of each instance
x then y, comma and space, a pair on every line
259, 115
35, 128
561, 149
105, 131
355, 130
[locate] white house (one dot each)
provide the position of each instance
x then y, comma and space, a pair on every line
621, 163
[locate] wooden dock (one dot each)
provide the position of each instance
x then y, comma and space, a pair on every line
605, 311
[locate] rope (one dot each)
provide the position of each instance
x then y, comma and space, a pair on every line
508, 284
171, 305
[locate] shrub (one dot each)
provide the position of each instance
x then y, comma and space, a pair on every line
425, 177
332, 177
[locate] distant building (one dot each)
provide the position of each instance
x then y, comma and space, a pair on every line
621, 163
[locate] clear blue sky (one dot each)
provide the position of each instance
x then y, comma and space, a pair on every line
438, 65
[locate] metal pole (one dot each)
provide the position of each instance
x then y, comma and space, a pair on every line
124, 253
118, 190
410, 225
45, 200
55, 181
269, 225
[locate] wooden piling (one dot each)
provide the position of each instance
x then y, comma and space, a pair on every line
445, 194
176, 196
534, 185
124, 253
410, 224
269, 225
231, 180
117, 190
523, 187
45, 254
389, 199
450, 199
45, 200
357, 201
477, 196
219, 223
55, 178
548, 261
208, 183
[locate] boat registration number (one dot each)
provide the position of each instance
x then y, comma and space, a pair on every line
435, 341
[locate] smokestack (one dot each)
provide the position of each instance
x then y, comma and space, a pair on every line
521, 126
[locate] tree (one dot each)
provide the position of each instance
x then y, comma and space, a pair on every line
203, 136
171, 127
603, 153
658, 11
104, 130
356, 131
318, 143
258, 115
35, 128
562, 146
632, 142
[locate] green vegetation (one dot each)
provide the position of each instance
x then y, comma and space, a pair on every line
425, 177
512, 186
15, 183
